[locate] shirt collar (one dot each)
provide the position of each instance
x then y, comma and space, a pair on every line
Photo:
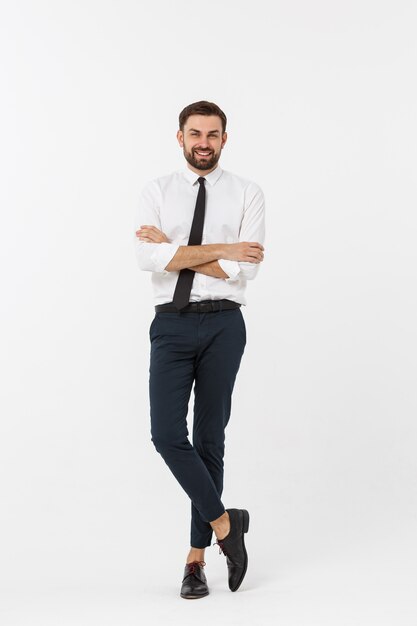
211, 178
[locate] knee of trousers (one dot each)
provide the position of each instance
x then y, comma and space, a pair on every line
210, 450
167, 446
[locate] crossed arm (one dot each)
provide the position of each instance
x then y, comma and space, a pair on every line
204, 258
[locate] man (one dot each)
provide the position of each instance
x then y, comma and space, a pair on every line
200, 232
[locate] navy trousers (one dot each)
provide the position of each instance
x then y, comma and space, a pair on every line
203, 349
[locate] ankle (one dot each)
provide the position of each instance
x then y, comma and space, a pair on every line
221, 525
195, 554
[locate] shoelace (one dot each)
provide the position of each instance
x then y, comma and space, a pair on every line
221, 547
192, 566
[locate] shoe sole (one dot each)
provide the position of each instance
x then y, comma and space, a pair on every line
245, 528
202, 595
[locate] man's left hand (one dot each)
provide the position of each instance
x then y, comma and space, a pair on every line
151, 234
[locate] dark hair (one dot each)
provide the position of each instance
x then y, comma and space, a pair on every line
202, 107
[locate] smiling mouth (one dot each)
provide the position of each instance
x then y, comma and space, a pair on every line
203, 154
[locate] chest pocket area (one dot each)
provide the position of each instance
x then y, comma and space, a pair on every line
179, 234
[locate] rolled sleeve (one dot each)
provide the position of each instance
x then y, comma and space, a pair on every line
154, 257
251, 229
231, 268
248, 270
151, 257
162, 254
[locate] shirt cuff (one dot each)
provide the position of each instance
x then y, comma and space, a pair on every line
162, 255
232, 268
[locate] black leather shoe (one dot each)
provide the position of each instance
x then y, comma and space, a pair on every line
233, 547
194, 583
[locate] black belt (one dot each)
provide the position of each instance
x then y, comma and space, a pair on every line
204, 306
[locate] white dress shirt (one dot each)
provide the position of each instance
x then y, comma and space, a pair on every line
235, 211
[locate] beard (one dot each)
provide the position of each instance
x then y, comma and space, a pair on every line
199, 162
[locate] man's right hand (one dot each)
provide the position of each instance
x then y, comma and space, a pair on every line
249, 251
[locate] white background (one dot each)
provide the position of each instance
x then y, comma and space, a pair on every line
321, 445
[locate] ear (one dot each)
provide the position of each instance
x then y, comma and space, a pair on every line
180, 138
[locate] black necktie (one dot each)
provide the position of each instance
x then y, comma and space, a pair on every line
185, 279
